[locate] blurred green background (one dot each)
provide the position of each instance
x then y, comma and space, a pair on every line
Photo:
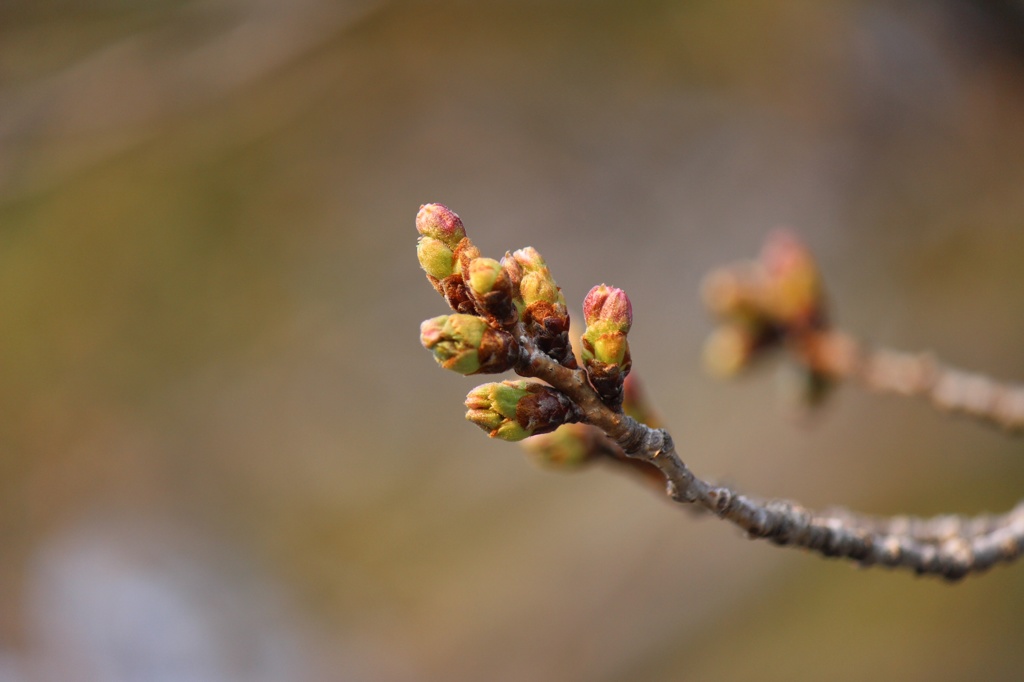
224, 455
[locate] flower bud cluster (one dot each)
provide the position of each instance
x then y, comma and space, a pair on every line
514, 410
762, 305
505, 309
605, 350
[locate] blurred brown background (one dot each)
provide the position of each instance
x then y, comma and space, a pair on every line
225, 456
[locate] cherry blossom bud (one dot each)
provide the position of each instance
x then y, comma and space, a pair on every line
468, 345
728, 350
543, 312
794, 285
605, 350
491, 291
440, 222
514, 410
608, 306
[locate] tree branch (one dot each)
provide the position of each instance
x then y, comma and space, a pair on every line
511, 315
946, 546
947, 388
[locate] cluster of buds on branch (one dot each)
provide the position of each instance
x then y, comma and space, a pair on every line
511, 315
776, 301
506, 313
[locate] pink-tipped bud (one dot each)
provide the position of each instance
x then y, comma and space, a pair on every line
514, 410
794, 284
604, 348
468, 345
610, 306
440, 222
529, 259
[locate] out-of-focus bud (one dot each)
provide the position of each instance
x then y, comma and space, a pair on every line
803, 388
774, 301
735, 292
569, 447
491, 291
795, 292
514, 410
468, 345
604, 348
728, 350
440, 222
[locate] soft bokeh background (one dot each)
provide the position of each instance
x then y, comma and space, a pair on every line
225, 456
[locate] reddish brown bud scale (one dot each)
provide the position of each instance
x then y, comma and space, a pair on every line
545, 409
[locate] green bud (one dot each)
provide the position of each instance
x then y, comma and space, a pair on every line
484, 273
794, 289
538, 286
441, 223
436, 259
540, 304
455, 341
728, 350
568, 447
468, 345
529, 259
491, 292
514, 410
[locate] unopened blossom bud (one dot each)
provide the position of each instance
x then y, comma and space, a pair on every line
441, 223
604, 348
444, 251
794, 285
736, 291
491, 290
568, 447
729, 350
606, 305
543, 310
514, 410
529, 259
468, 345
538, 287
